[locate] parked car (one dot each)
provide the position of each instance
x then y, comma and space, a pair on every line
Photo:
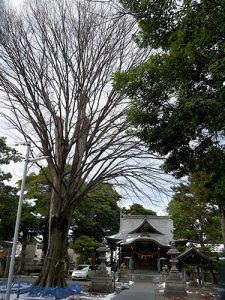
71, 267
83, 272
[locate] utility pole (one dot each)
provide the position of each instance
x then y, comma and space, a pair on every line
18, 217
16, 232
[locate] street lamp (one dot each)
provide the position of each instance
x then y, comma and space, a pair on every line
18, 217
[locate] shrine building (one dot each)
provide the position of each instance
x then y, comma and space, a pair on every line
142, 241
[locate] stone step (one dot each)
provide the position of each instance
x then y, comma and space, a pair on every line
151, 276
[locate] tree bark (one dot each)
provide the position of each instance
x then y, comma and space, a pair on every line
53, 272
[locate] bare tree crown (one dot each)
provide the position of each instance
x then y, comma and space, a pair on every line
57, 61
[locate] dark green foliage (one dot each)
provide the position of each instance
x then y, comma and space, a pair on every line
9, 202
7, 155
29, 224
8, 210
194, 213
85, 246
137, 209
98, 215
38, 188
156, 20
178, 94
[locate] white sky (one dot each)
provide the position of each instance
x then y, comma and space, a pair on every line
16, 169
15, 3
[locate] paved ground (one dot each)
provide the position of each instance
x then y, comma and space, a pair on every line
146, 287
144, 290
148, 290
140, 290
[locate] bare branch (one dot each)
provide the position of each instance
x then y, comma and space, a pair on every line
57, 60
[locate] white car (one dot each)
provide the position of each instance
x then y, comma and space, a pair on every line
83, 272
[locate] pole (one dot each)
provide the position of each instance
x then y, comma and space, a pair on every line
16, 232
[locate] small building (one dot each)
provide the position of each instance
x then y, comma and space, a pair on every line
194, 265
142, 241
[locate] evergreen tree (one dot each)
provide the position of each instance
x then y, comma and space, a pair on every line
137, 209
178, 101
193, 212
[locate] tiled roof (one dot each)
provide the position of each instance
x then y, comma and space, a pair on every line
193, 252
160, 229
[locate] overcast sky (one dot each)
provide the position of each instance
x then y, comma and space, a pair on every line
16, 169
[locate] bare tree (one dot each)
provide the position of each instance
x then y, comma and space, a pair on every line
57, 60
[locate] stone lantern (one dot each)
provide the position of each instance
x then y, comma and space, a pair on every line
102, 281
174, 283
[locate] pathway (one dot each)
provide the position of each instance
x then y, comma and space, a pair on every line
140, 290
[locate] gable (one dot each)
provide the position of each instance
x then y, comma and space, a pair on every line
192, 255
145, 229
151, 227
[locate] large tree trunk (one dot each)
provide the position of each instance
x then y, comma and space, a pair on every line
53, 272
